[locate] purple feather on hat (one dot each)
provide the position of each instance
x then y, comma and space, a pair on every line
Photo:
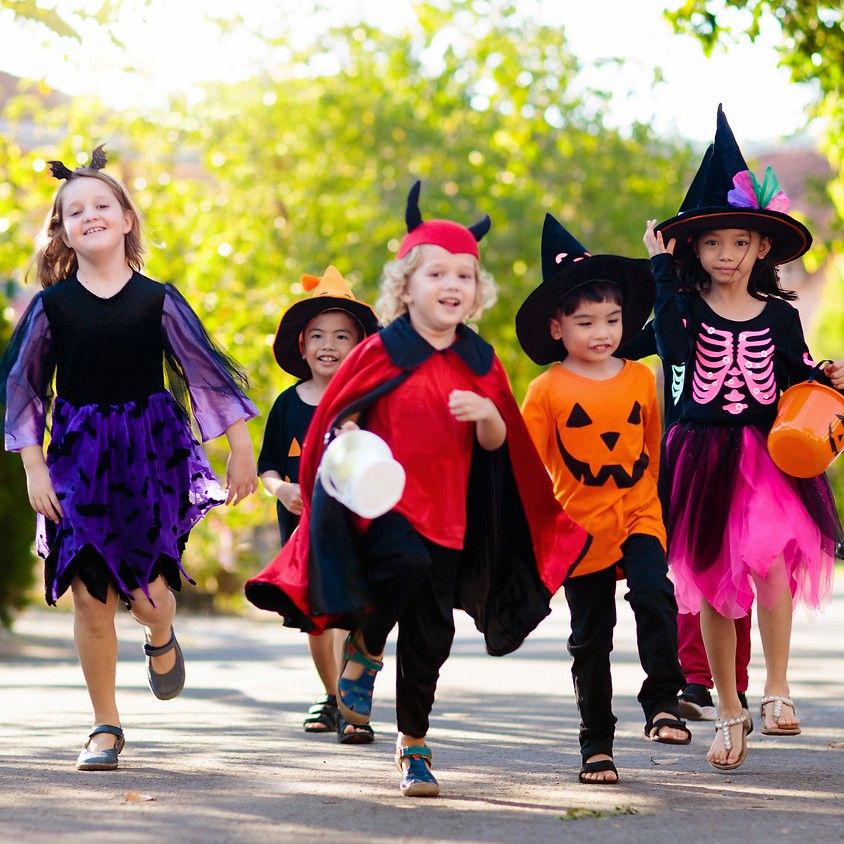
748, 193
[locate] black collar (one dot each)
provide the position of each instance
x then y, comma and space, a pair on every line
407, 349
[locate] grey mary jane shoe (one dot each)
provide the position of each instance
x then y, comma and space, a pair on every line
101, 760
169, 685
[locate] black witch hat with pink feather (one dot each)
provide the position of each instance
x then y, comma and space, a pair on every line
725, 194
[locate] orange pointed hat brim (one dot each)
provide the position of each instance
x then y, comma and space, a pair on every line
329, 292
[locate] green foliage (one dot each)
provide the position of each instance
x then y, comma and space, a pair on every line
17, 526
264, 180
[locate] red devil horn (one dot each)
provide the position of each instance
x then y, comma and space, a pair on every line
480, 228
413, 216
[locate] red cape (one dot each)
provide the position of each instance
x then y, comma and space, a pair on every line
520, 545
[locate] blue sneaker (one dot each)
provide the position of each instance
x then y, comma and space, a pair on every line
415, 765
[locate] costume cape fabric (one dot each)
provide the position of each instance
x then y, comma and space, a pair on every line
519, 545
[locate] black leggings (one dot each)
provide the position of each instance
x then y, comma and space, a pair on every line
414, 581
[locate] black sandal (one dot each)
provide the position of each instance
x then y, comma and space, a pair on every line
652, 729
598, 768
322, 715
362, 733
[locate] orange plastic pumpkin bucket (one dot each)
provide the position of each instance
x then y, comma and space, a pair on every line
808, 433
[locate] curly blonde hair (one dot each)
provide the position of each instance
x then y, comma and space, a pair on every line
55, 260
394, 279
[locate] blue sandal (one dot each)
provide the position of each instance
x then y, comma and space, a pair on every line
354, 697
101, 760
417, 779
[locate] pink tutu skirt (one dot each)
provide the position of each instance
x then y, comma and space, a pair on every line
735, 522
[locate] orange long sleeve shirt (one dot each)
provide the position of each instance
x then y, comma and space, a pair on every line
599, 441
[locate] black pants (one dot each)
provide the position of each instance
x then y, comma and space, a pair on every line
591, 600
414, 582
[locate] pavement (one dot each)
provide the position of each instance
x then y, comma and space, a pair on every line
228, 761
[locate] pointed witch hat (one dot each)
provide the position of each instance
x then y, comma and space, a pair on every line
725, 194
330, 292
450, 236
566, 265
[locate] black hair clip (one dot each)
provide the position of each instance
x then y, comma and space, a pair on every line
98, 161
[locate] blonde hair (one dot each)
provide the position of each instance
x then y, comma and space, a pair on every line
389, 305
55, 260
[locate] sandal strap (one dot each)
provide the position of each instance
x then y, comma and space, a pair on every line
352, 653
778, 701
724, 727
99, 729
598, 767
160, 650
321, 702
420, 750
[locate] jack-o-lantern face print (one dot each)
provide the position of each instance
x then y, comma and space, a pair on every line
588, 453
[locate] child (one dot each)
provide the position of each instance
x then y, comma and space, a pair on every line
695, 702
737, 523
124, 480
313, 338
594, 419
477, 526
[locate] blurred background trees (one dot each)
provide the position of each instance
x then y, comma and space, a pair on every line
256, 182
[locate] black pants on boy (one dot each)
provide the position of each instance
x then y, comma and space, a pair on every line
414, 581
591, 600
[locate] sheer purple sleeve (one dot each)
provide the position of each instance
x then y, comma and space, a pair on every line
213, 381
26, 373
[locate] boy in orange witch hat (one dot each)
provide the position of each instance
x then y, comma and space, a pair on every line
313, 338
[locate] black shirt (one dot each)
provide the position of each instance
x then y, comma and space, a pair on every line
287, 423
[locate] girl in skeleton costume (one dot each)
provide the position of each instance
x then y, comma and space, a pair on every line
124, 480
737, 524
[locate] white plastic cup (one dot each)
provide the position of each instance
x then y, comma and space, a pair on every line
358, 470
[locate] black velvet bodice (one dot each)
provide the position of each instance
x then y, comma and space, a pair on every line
107, 350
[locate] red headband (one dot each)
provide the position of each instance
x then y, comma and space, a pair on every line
450, 236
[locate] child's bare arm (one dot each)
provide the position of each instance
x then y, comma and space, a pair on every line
39, 486
287, 492
241, 472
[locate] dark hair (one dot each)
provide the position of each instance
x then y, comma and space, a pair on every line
597, 290
358, 327
764, 281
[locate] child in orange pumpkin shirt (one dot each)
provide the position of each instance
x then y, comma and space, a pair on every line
594, 419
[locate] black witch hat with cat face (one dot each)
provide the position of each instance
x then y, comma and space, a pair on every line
567, 265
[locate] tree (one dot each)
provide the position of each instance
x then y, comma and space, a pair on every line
271, 178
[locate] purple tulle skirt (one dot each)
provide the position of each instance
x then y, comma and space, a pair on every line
736, 523
132, 482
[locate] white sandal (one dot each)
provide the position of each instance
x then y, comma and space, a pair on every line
726, 738
778, 701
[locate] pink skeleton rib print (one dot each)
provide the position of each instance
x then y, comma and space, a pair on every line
734, 367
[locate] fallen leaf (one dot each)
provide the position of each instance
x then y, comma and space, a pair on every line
137, 797
836, 745
664, 760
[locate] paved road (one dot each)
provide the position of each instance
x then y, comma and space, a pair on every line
228, 762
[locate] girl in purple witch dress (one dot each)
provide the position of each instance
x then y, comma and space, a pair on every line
124, 480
